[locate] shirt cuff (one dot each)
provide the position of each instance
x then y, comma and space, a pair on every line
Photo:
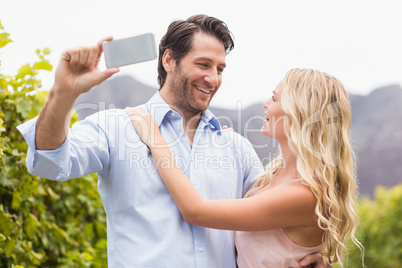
44, 163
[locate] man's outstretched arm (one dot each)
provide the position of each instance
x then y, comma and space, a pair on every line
76, 73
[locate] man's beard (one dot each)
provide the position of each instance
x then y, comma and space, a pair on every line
184, 97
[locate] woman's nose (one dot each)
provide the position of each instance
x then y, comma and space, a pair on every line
265, 104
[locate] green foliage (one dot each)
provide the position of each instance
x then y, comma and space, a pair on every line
380, 230
42, 223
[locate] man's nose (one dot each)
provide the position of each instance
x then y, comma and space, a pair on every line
212, 78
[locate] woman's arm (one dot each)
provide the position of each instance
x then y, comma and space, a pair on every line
284, 206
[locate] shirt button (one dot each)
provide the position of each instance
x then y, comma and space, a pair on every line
200, 249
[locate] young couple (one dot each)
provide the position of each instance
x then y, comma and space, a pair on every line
302, 206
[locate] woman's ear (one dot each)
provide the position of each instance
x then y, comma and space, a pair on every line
168, 61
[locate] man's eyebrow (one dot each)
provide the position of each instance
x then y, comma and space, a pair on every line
208, 59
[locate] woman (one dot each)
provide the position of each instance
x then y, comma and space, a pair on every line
304, 202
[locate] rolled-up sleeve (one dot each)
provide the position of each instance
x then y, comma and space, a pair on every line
84, 151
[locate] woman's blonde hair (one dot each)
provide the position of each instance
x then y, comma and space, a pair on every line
317, 125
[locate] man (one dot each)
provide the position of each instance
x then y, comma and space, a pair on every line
144, 226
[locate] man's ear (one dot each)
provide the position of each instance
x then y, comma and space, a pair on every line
168, 61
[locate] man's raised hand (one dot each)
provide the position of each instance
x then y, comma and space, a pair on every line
78, 70
76, 73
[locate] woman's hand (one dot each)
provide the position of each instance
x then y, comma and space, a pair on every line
145, 126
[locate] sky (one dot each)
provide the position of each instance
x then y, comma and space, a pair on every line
357, 41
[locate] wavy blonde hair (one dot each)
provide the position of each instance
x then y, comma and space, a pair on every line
317, 125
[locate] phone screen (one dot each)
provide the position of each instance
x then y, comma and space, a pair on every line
129, 50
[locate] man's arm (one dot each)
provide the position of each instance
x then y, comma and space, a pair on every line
76, 73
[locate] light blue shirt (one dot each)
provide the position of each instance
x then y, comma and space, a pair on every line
144, 226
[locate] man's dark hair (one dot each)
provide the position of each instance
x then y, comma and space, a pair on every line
179, 37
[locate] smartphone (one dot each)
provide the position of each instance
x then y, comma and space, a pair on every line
126, 51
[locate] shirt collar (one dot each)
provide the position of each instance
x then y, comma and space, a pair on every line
208, 118
158, 108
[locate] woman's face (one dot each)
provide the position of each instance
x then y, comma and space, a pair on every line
274, 115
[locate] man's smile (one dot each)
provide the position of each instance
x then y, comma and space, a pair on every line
203, 90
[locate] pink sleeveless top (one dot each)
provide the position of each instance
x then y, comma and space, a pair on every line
270, 248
